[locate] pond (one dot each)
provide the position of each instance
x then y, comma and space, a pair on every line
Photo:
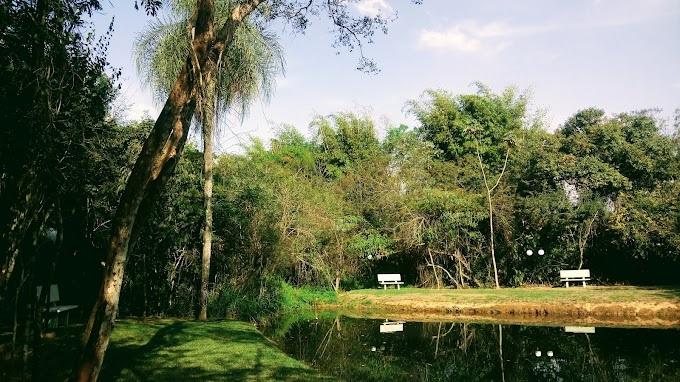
354, 349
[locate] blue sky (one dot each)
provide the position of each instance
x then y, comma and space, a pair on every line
620, 55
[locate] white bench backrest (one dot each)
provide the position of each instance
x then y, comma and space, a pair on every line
54, 292
575, 273
387, 277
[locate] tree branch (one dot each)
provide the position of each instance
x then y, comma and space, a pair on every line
507, 154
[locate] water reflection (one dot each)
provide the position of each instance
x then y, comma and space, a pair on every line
376, 350
579, 329
392, 326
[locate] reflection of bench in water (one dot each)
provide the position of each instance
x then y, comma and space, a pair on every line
579, 329
392, 326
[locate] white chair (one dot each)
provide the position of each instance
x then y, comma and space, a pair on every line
53, 302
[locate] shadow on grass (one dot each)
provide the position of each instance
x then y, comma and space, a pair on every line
197, 351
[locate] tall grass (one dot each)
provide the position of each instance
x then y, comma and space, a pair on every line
273, 297
301, 298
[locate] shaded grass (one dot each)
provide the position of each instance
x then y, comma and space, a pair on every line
178, 350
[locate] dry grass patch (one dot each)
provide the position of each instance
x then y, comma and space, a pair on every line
635, 306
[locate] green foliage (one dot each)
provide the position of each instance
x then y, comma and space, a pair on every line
461, 125
295, 300
230, 301
648, 224
582, 120
247, 67
302, 216
338, 208
345, 140
55, 92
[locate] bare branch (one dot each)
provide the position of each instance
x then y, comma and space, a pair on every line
505, 164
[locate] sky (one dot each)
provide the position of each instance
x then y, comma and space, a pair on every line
619, 55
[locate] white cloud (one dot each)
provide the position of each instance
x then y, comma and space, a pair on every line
466, 37
139, 110
474, 37
373, 7
453, 40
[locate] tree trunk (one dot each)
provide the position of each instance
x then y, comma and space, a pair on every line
489, 190
434, 269
153, 168
158, 157
583, 235
336, 284
208, 118
493, 251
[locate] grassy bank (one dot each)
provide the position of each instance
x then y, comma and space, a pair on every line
304, 298
175, 350
630, 306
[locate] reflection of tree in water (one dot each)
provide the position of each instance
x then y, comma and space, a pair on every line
354, 349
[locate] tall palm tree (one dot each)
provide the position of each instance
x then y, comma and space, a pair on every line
246, 71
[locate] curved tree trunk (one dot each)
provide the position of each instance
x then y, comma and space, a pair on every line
158, 158
153, 168
207, 205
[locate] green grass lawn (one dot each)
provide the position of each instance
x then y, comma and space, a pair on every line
590, 294
178, 350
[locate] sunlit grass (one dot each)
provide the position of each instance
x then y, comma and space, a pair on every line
179, 350
188, 350
301, 298
530, 294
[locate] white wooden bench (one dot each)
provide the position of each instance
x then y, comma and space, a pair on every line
581, 275
386, 279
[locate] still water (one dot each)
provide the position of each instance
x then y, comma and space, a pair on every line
379, 350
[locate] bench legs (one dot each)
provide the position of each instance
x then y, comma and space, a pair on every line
397, 285
583, 282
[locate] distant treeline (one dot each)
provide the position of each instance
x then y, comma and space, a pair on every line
334, 209
328, 210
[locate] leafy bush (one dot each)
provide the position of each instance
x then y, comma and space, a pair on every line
252, 302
